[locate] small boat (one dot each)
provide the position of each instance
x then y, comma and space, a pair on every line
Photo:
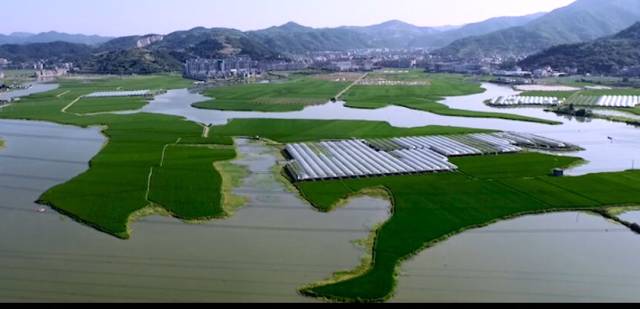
42, 210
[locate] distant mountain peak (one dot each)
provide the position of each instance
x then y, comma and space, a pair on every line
396, 24
293, 26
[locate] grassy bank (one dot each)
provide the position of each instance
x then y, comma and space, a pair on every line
431, 208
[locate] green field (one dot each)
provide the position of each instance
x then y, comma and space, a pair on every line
165, 161
116, 185
291, 130
126, 176
292, 95
187, 184
299, 92
430, 208
426, 98
102, 105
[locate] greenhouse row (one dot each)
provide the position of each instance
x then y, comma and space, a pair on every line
526, 100
353, 158
534, 141
405, 155
113, 94
619, 101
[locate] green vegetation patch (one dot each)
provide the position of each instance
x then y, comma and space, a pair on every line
635, 110
102, 105
292, 95
116, 185
292, 130
426, 98
187, 184
557, 94
430, 208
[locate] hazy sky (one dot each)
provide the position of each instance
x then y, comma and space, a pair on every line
124, 17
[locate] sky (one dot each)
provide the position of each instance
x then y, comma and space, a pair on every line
127, 17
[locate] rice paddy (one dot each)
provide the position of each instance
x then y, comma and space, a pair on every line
411, 89
425, 97
118, 183
103, 105
292, 95
430, 208
164, 161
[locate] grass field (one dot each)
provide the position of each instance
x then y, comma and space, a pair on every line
430, 208
292, 95
425, 98
102, 105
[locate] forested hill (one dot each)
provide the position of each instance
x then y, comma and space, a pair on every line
610, 55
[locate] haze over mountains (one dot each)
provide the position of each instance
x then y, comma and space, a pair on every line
584, 20
52, 36
581, 21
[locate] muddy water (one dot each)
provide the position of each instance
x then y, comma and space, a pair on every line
276, 244
565, 257
265, 252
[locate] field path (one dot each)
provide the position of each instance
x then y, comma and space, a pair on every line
205, 131
345, 90
62, 94
64, 109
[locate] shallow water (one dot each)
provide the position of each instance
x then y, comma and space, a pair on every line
564, 257
265, 252
276, 244
609, 112
35, 88
602, 154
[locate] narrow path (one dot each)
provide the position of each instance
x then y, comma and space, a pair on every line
149, 185
205, 131
345, 90
64, 109
62, 94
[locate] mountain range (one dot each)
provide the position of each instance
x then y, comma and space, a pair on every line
520, 36
609, 55
52, 36
581, 21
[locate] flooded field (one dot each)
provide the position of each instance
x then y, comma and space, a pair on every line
591, 134
278, 243
269, 249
